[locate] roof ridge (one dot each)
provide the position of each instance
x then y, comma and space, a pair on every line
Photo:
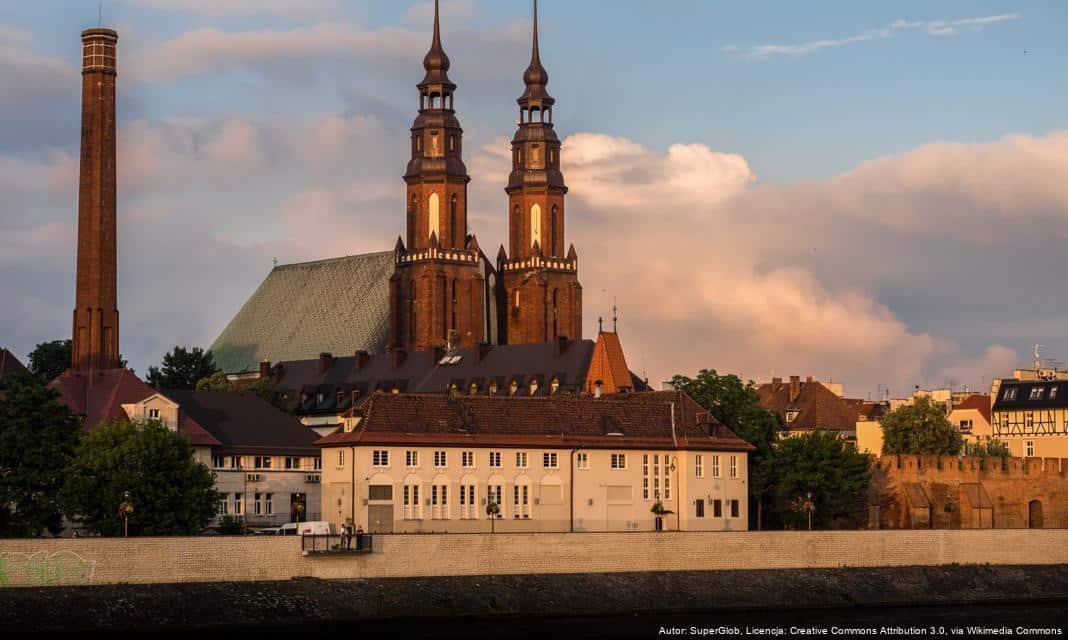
373, 254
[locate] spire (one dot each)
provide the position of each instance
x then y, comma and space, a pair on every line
536, 77
436, 62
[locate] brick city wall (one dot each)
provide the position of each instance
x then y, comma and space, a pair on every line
1022, 492
65, 561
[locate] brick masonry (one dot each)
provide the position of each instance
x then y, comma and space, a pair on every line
64, 561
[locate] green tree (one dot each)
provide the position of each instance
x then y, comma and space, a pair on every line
987, 449
920, 427
822, 469
182, 368
274, 394
49, 359
737, 405
215, 382
38, 437
171, 493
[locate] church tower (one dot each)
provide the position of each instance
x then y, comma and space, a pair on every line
95, 334
542, 295
438, 292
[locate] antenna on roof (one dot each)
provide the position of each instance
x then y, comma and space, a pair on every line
1038, 357
600, 324
100, 14
615, 317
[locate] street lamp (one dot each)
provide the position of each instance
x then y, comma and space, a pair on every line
808, 507
678, 516
125, 509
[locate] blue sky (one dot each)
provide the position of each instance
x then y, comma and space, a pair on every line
822, 135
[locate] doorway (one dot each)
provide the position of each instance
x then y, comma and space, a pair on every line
1034, 514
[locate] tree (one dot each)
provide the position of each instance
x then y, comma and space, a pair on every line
49, 359
737, 405
215, 382
38, 437
920, 427
170, 492
182, 368
274, 394
822, 476
987, 449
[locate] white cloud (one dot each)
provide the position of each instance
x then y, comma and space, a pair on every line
931, 27
219, 8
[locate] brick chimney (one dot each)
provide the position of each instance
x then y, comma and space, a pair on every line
265, 370
326, 360
279, 372
362, 358
95, 339
482, 349
776, 383
795, 387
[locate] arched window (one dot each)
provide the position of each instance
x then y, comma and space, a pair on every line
452, 221
535, 225
513, 386
435, 145
434, 226
552, 230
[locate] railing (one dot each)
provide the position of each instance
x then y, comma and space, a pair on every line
335, 543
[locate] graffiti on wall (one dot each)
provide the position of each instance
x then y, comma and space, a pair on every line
43, 569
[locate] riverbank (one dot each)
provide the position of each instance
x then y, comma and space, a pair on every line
236, 605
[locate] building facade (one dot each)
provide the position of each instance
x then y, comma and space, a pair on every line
1031, 416
437, 463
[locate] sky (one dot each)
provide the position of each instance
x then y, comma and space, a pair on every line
874, 195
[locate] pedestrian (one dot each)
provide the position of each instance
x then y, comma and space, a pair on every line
343, 531
359, 538
348, 531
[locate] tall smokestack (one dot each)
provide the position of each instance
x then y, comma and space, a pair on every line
96, 313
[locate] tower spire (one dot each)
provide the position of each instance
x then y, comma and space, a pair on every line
536, 77
436, 62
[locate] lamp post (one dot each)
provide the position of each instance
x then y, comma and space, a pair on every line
125, 509
808, 507
674, 468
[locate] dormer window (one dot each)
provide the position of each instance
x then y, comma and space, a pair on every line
153, 414
319, 397
1009, 394
513, 386
1052, 392
355, 395
533, 387
554, 386
1036, 393
340, 397
493, 387
473, 389
791, 415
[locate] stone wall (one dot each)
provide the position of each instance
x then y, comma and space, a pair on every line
54, 562
968, 493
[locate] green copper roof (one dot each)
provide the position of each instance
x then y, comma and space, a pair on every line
339, 305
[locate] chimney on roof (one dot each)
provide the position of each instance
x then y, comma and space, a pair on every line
598, 388
560, 345
776, 382
362, 358
482, 350
399, 355
279, 371
809, 379
795, 387
265, 370
326, 360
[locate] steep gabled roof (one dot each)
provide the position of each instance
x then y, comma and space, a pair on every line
661, 420
246, 424
10, 365
99, 396
817, 407
340, 305
609, 365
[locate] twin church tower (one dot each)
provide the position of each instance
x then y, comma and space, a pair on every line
444, 290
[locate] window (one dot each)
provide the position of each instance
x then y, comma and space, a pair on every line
698, 466
715, 466
467, 459
439, 501
495, 459
1052, 392
493, 495
262, 462
1029, 420
239, 501
1009, 394
380, 458
700, 505
554, 384
292, 462
411, 458
1036, 393
734, 508
717, 508
521, 459
1029, 448
513, 386
468, 511
258, 505
410, 499
473, 389
439, 458
667, 479
268, 504
521, 501
582, 461
493, 388
153, 414
221, 506
734, 466
645, 476
619, 461
791, 415
217, 461
318, 464
549, 461
965, 426
235, 462
341, 458
380, 492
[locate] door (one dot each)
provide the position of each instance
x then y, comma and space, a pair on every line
1034, 514
298, 505
380, 518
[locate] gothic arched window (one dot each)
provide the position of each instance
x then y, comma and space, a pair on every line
535, 225
435, 224
452, 221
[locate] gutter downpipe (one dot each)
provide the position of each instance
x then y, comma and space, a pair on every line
353, 511
571, 491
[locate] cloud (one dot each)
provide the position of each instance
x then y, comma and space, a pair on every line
33, 91
931, 27
220, 8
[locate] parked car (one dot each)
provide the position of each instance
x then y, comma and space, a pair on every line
288, 529
316, 528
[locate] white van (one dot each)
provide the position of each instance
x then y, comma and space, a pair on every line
316, 528
288, 529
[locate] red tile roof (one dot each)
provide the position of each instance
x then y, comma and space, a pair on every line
656, 420
99, 396
818, 407
978, 401
609, 365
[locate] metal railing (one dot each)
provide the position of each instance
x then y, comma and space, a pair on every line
337, 543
